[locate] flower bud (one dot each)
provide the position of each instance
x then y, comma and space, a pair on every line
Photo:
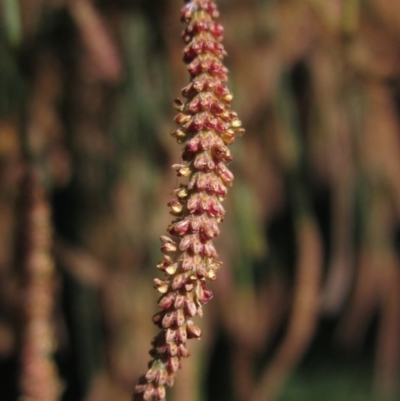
179, 301
193, 331
168, 319
148, 393
173, 364
161, 286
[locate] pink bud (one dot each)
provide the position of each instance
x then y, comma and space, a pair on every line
193, 203
207, 296
189, 90
181, 335
195, 223
185, 243
180, 317
170, 335
159, 393
166, 301
151, 374
218, 187
178, 281
173, 364
222, 91
190, 307
193, 331
181, 227
193, 145
207, 140
188, 10
186, 262
194, 67
216, 209
175, 205
161, 377
170, 380
209, 250
216, 29
194, 105
179, 301
172, 349
205, 202
148, 393
183, 351
225, 174
202, 181
182, 118
217, 107
168, 319
196, 245
199, 83
161, 285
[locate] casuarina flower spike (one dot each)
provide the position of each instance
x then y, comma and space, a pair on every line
206, 126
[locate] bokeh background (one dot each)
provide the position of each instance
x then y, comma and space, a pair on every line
307, 304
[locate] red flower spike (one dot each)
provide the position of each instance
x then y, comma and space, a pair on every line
206, 126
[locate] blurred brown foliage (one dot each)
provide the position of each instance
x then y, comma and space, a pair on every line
312, 229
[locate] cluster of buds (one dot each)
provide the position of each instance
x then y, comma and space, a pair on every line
207, 126
39, 379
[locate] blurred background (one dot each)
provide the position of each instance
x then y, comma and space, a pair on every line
307, 304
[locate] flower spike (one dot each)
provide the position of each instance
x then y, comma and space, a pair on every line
206, 126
